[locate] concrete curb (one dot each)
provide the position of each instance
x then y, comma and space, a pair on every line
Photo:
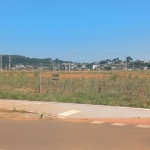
18, 115
30, 116
8, 115
27, 115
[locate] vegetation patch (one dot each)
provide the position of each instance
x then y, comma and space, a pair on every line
117, 89
3, 110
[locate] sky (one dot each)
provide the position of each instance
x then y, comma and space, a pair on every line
79, 30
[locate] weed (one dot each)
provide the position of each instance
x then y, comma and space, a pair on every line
14, 110
116, 90
41, 116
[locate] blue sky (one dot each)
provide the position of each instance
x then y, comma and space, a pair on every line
93, 30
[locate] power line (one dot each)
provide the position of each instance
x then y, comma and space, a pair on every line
114, 53
91, 53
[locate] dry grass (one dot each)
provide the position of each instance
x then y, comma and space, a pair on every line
107, 88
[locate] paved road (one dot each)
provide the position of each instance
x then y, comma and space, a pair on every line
59, 134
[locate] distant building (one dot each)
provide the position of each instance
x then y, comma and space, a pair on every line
145, 68
95, 67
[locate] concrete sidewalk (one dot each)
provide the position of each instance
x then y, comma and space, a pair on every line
71, 110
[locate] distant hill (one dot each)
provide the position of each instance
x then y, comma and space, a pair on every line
48, 63
22, 60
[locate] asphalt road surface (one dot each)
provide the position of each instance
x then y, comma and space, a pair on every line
58, 134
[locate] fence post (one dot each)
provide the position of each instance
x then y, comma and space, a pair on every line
40, 81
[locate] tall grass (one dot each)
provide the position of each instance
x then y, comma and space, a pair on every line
114, 91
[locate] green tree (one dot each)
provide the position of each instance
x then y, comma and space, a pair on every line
129, 59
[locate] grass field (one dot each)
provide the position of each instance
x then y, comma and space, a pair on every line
107, 88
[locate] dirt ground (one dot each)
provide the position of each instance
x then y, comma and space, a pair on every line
98, 75
88, 75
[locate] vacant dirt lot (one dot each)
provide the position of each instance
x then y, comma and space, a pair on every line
99, 75
88, 75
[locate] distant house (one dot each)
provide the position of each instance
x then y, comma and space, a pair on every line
95, 67
114, 68
145, 68
146, 62
138, 60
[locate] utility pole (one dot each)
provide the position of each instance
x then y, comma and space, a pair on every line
50, 65
69, 59
41, 67
53, 65
58, 67
133, 65
1, 65
9, 63
112, 66
125, 63
40, 81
